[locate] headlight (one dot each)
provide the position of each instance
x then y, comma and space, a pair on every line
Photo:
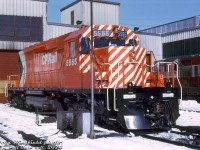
115, 30
168, 94
129, 96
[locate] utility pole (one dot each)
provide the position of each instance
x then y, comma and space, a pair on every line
92, 134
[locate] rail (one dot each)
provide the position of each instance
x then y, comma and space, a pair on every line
101, 72
177, 77
13, 80
108, 106
38, 79
114, 100
187, 139
128, 63
6, 90
12, 144
135, 62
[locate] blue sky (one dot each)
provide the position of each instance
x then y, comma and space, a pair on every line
140, 13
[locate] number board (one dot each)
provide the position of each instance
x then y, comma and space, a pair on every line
101, 33
122, 34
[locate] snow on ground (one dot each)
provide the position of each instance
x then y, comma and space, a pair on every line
188, 116
13, 120
190, 105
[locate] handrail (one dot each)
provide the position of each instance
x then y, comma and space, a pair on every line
177, 77
6, 90
118, 67
114, 100
108, 100
136, 62
15, 80
103, 64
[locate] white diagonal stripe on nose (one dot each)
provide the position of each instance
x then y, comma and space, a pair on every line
139, 81
114, 53
101, 27
126, 51
84, 62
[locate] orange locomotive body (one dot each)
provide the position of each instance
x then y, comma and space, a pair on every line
129, 90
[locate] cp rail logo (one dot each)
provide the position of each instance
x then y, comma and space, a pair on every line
49, 58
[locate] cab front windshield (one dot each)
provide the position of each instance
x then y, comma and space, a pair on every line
102, 42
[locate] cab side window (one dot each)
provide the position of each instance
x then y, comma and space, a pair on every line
72, 49
85, 45
132, 42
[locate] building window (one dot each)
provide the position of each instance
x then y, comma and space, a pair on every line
21, 28
6, 26
72, 49
72, 17
187, 47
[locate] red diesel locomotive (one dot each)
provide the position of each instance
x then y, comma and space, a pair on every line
190, 77
128, 90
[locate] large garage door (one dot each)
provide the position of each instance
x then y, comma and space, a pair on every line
8, 66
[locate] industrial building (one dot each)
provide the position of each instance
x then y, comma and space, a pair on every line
179, 41
24, 23
173, 40
104, 12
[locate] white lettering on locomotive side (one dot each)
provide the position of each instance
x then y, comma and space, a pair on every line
49, 58
71, 62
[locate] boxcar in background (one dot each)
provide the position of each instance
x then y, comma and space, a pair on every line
8, 65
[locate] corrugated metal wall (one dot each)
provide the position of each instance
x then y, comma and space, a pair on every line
155, 43
8, 45
31, 8
174, 26
181, 44
181, 35
102, 13
151, 43
23, 8
78, 13
53, 31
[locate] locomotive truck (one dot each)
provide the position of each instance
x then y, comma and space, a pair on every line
129, 90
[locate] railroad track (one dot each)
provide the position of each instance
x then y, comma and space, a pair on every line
188, 129
190, 110
29, 142
189, 140
7, 144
